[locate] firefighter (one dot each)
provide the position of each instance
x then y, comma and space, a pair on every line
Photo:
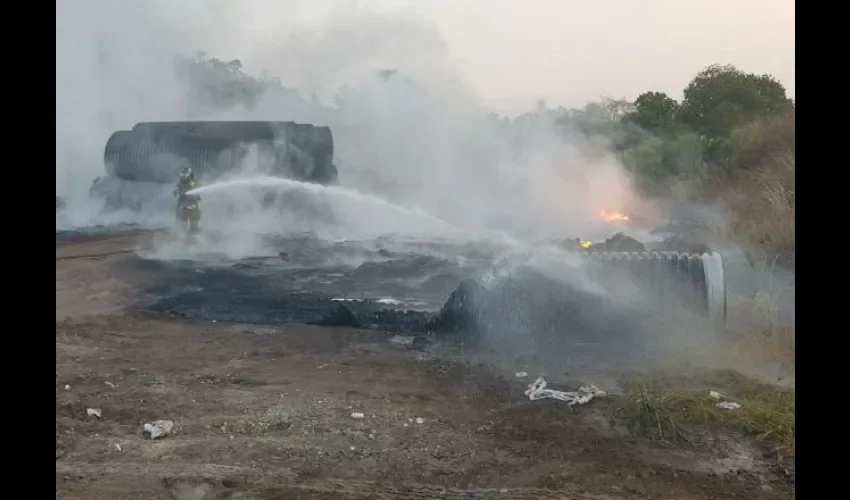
188, 206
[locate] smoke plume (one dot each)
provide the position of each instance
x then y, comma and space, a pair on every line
416, 136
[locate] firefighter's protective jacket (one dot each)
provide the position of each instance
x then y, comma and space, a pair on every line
186, 201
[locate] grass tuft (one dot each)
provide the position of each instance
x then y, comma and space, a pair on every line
663, 412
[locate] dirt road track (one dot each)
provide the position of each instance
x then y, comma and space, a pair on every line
266, 413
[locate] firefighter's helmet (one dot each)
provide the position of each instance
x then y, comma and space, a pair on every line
186, 174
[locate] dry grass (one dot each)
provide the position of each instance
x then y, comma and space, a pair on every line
682, 409
756, 182
762, 326
759, 142
759, 333
763, 206
760, 187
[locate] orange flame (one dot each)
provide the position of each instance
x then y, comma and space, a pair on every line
613, 216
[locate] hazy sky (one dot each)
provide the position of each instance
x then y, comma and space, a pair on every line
570, 51
510, 52
514, 52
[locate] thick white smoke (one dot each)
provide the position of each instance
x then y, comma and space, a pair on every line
421, 139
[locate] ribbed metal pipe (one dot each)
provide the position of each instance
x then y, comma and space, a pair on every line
237, 131
696, 281
155, 151
115, 152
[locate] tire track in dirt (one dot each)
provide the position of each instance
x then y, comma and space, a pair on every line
94, 255
257, 480
365, 490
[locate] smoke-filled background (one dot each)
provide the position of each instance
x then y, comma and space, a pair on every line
423, 138
420, 139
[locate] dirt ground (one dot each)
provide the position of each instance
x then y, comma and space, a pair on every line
267, 413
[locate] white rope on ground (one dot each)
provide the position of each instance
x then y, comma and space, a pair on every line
537, 390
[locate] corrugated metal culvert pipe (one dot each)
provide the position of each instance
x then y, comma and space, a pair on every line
696, 282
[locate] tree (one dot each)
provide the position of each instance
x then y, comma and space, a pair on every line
219, 84
235, 66
720, 98
654, 112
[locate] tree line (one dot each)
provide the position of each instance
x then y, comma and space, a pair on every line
727, 121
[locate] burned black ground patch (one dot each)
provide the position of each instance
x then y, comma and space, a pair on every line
424, 294
390, 285
256, 292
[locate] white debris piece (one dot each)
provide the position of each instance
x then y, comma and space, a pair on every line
585, 393
118, 447
358, 415
67, 387
728, 405
94, 412
159, 428
419, 420
723, 405
521, 374
402, 340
